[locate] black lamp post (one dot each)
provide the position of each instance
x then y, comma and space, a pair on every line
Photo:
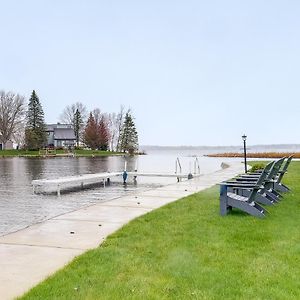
244, 137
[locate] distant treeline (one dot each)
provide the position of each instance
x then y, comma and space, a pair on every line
257, 148
256, 155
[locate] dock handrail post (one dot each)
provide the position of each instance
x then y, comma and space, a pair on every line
177, 162
196, 166
180, 169
190, 175
136, 166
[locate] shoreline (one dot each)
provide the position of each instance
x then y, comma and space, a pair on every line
255, 154
58, 153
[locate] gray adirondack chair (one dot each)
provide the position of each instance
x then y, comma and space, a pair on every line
278, 185
268, 193
255, 175
228, 199
262, 196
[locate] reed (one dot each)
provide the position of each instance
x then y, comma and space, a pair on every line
256, 155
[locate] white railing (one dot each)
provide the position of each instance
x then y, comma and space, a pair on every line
196, 166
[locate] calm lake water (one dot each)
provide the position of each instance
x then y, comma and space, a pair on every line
19, 207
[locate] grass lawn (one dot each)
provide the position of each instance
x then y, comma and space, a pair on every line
15, 152
186, 250
35, 153
96, 153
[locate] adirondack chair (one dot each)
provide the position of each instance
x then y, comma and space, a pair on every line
228, 199
261, 197
256, 174
278, 185
268, 192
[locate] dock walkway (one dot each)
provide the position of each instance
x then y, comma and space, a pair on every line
62, 183
30, 255
57, 184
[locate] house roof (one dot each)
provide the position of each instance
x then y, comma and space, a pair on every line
51, 127
64, 134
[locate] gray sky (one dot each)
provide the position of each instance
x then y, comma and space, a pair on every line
193, 72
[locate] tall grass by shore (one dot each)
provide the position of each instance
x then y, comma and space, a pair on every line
256, 155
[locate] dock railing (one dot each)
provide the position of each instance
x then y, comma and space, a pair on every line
178, 167
196, 166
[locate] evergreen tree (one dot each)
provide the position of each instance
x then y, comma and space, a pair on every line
35, 131
129, 135
103, 133
77, 125
91, 137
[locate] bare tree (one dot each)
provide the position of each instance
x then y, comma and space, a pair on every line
112, 126
12, 112
97, 115
68, 113
19, 135
119, 126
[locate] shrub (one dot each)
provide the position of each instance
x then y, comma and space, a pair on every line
257, 166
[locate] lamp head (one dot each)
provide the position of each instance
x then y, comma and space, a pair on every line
244, 137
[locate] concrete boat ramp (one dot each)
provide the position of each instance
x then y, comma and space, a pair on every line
30, 255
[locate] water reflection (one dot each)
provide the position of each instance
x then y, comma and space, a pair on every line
34, 167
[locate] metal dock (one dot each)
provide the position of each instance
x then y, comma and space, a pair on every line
80, 181
58, 184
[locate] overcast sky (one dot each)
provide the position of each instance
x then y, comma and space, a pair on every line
193, 72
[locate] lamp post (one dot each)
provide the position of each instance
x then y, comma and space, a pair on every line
244, 137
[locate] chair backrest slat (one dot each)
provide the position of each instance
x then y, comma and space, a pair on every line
273, 173
287, 163
265, 173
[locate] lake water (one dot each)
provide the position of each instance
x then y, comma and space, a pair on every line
19, 207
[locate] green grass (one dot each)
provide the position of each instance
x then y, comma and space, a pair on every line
35, 153
14, 152
96, 153
186, 250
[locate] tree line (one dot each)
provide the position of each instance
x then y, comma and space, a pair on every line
25, 125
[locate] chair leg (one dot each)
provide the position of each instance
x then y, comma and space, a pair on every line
252, 209
280, 187
224, 207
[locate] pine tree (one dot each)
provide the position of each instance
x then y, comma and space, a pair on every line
77, 125
129, 135
35, 131
103, 133
91, 137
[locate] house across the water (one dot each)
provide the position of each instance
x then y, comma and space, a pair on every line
61, 135
8, 145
